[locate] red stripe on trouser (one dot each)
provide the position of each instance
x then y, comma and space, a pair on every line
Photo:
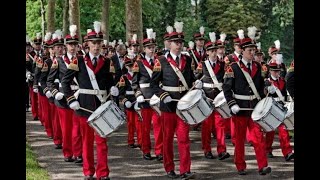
57, 134
40, 108
157, 132
283, 138
248, 136
130, 125
173, 124
76, 136
138, 124
146, 114
241, 123
34, 102
233, 139
88, 137
46, 115
65, 117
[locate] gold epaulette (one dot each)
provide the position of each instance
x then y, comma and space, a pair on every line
229, 72
199, 68
54, 64
45, 67
135, 67
157, 66
122, 82
291, 69
74, 64
39, 62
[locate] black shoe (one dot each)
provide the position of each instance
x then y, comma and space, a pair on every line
228, 136
242, 172
270, 155
289, 156
188, 175
159, 157
89, 177
58, 146
147, 156
209, 155
78, 159
265, 170
132, 146
223, 155
104, 178
172, 175
36, 118
68, 159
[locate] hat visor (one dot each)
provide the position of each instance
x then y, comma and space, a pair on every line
177, 39
211, 47
275, 69
95, 39
149, 44
71, 41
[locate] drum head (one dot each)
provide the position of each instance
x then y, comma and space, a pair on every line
99, 110
262, 108
154, 100
219, 99
189, 99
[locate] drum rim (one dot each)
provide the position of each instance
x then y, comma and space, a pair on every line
95, 115
190, 107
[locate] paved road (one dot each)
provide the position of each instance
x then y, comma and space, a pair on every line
127, 163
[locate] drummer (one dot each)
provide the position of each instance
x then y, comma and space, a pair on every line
212, 89
95, 80
171, 90
142, 69
280, 96
239, 93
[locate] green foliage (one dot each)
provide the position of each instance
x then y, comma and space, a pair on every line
33, 170
33, 18
117, 20
58, 14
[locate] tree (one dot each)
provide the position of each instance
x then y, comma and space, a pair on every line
65, 17
51, 15
74, 15
105, 18
33, 17
133, 19
43, 20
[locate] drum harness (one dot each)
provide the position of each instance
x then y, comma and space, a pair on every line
181, 78
213, 77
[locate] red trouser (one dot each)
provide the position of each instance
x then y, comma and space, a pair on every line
88, 137
40, 110
220, 132
133, 124
149, 114
173, 124
248, 136
65, 117
227, 126
76, 136
34, 103
46, 115
241, 123
57, 134
233, 139
283, 138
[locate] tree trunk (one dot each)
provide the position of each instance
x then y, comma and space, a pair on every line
134, 20
74, 16
105, 19
65, 17
43, 20
51, 16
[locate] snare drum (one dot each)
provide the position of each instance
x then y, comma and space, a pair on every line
221, 106
194, 107
289, 120
106, 119
155, 104
138, 110
269, 114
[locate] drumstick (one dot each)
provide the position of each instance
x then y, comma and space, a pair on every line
246, 109
196, 84
172, 100
31, 57
86, 110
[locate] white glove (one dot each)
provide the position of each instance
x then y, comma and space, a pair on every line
167, 99
271, 89
128, 104
35, 90
140, 99
198, 84
75, 105
59, 96
235, 109
48, 94
114, 91
29, 76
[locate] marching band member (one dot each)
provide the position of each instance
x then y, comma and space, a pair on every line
212, 86
174, 87
198, 54
280, 96
95, 80
290, 80
134, 44
142, 69
133, 122
29, 78
239, 93
274, 53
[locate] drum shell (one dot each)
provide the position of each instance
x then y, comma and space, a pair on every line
106, 119
196, 113
222, 106
289, 120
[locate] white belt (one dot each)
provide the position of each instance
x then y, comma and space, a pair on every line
210, 85
92, 91
129, 92
244, 97
144, 85
57, 81
277, 99
73, 87
174, 89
